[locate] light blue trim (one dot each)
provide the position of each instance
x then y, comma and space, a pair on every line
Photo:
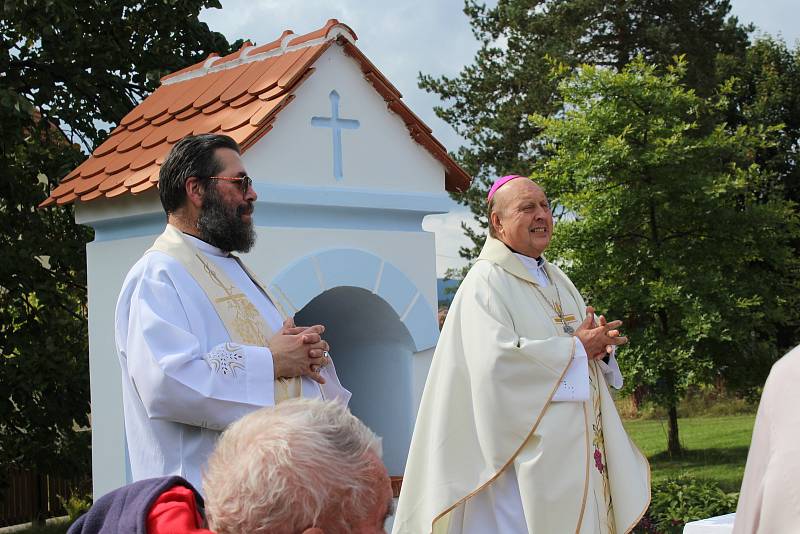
352, 197
336, 125
340, 208
337, 218
307, 207
306, 278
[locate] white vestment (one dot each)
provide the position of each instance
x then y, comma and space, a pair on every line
492, 451
183, 379
499, 507
769, 501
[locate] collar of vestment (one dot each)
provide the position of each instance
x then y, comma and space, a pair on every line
498, 253
204, 246
240, 317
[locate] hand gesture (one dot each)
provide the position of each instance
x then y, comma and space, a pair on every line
599, 339
299, 351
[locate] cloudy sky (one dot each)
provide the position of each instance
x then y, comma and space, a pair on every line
406, 37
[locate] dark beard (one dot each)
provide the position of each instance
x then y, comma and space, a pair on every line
222, 226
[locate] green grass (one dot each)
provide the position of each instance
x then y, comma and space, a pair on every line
715, 448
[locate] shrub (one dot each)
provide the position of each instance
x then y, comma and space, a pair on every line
679, 500
76, 505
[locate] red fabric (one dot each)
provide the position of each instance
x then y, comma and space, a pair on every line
175, 512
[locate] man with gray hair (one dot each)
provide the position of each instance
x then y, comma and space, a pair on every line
517, 431
305, 466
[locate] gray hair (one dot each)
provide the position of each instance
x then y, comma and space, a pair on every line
281, 469
194, 155
489, 211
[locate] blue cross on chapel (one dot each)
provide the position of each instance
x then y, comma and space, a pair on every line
336, 125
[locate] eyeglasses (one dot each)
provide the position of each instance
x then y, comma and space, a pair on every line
245, 182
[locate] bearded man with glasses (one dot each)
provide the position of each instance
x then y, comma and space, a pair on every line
200, 340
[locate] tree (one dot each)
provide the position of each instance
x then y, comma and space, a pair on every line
68, 70
665, 222
490, 100
767, 91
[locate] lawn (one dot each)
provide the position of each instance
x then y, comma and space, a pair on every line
715, 447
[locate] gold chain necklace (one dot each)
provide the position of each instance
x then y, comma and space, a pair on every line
558, 308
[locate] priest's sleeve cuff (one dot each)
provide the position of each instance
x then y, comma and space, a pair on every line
574, 386
611, 371
260, 376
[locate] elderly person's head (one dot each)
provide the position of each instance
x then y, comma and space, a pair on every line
304, 466
519, 215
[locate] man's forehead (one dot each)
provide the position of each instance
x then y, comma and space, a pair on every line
230, 160
519, 190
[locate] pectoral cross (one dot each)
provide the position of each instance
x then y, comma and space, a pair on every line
564, 320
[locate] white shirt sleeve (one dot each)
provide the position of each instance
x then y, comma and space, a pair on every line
574, 386
176, 379
611, 371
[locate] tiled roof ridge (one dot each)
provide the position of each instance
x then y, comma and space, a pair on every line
238, 95
332, 31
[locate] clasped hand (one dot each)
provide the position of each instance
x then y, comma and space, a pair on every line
599, 337
299, 351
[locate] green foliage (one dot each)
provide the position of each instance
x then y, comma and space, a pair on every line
68, 70
677, 501
76, 505
666, 224
766, 90
489, 101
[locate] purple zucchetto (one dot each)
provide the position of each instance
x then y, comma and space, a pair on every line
500, 182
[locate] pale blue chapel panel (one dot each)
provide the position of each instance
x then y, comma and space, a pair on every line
336, 124
348, 267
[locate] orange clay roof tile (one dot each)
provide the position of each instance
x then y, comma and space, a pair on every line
121, 190
118, 164
69, 198
113, 182
266, 110
137, 178
133, 140
95, 165
300, 66
91, 196
241, 116
64, 188
136, 125
162, 119
275, 69
276, 91
146, 157
188, 114
213, 108
108, 146
84, 186
239, 94
242, 100
141, 188
157, 136
179, 130
192, 93
223, 81
243, 83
